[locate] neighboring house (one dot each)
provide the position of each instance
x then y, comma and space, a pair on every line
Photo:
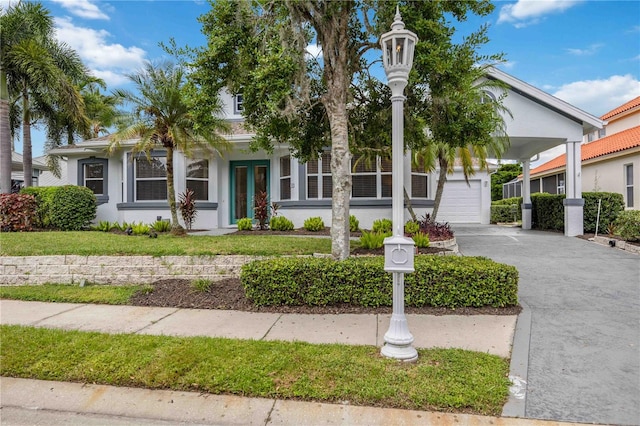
131, 188
610, 160
17, 174
47, 178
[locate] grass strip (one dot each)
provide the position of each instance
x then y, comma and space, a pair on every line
88, 243
451, 380
69, 293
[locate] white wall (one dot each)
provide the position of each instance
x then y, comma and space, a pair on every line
608, 175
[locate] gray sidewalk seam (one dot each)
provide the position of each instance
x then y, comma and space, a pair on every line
156, 321
519, 366
271, 328
60, 313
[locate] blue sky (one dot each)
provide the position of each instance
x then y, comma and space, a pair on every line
585, 52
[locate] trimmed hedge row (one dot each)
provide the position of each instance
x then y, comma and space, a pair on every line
448, 281
506, 210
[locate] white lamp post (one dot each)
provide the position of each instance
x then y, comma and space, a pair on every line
397, 56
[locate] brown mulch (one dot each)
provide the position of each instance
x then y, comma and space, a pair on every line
229, 294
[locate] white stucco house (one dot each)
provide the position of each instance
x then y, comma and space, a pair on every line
133, 189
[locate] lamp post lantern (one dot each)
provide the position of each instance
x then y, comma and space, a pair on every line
397, 57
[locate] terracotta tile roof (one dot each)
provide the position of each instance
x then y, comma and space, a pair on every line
620, 141
622, 108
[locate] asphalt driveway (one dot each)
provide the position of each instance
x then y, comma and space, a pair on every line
584, 346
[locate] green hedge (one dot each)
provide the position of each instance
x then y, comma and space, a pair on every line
548, 210
68, 207
506, 209
612, 205
448, 281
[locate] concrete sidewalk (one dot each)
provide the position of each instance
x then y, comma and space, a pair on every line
483, 333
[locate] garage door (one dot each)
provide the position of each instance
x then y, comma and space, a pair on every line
460, 203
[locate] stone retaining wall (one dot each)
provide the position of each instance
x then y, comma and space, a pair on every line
18, 270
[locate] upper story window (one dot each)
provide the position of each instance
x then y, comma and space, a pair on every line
92, 173
238, 102
150, 177
285, 177
198, 178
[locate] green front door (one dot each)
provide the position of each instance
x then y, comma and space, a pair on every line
248, 178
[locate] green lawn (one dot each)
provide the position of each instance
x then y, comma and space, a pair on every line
441, 380
103, 244
70, 293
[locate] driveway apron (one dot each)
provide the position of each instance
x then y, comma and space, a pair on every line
584, 348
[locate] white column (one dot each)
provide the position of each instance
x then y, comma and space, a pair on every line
397, 158
526, 195
573, 203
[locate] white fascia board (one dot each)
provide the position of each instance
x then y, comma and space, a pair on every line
589, 122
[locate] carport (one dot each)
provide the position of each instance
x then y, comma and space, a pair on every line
537, 123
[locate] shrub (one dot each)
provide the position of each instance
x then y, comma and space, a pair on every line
280, 223
612, 204
354, 224
547, 211
245, 224
314, 224
506, 210
140, 228
437, 231
411, 227
421, 239
72, 207
373, 240
448, 281
382, 226
261, 209
201, 285
44, 199
17, 212
161, 226
187, 206
104, 226
628, 225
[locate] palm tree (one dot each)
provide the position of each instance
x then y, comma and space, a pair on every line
162, 118
466, 124
41, 72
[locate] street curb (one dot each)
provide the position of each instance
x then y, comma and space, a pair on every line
515, 406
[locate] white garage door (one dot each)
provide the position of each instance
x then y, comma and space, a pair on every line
460, 203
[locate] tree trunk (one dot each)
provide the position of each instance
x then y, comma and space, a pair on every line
407, 201
442, 178
176, 228
27, 155
5, 137
334, 39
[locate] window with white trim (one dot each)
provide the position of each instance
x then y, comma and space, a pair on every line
150, 177
285, 177
419, 180
371, 178
628, 182
238, 101
92, 173
319, 184
198, 178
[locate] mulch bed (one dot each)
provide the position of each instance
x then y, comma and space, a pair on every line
229, 294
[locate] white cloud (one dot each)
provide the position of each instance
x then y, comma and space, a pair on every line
529, 12
83, 8
109, 61
586, 52
598, 97
314, 51
508, 65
